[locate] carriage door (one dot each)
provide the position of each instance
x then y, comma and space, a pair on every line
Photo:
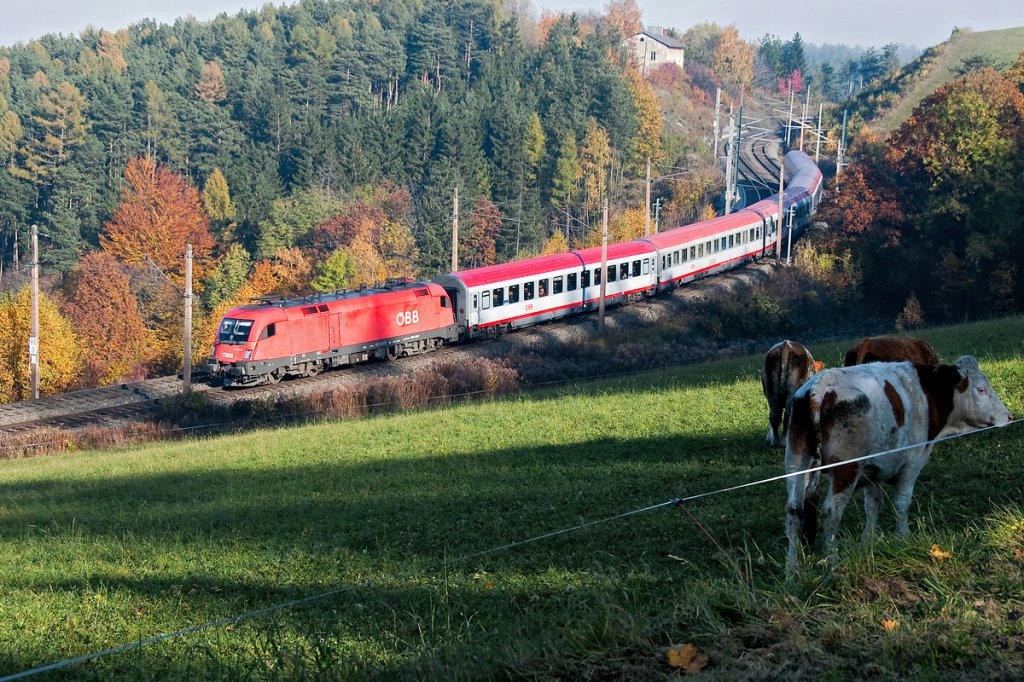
334, 326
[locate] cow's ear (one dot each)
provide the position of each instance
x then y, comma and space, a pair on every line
967, 363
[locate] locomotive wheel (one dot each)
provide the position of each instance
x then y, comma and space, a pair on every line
392, 353
312, 369
274, 377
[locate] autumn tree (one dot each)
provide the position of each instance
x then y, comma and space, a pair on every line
105, 314
479, 248
210, 87
160, 213
217, 201
556, 243
594, 164
59, 349
649, 123
335, 273
733, 57
624, 16
55, 129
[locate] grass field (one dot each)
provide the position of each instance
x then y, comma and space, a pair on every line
1002, 47
101, 549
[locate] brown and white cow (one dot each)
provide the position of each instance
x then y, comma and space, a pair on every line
845, 413
891, 349
787, 367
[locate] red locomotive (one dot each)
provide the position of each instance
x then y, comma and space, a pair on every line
304, 336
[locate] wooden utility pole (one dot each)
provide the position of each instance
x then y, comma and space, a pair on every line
729, 160
186, 372
718, 111
789, 121
647, 200
817, 138
33, 337
455, 232
803, 118
778, 222
604, 268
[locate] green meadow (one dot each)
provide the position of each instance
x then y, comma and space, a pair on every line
423, 528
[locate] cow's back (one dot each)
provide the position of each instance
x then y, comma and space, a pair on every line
892, 349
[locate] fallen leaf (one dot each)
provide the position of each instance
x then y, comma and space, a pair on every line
686, 658
939, 553
890, 624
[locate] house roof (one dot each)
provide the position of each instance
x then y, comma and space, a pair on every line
664, 40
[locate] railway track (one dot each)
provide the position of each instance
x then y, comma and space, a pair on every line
123, 403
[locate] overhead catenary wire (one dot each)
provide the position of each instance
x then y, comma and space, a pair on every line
340, 589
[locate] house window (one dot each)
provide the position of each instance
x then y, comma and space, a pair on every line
654, 55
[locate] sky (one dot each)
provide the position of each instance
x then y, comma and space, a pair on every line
865, 22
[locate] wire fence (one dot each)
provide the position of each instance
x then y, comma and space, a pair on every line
348, 587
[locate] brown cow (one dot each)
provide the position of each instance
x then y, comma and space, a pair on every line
892, 349
894, 409
786, 367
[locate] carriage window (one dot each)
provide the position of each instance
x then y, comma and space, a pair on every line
528, 291
513, 293
499, 296
570, 281
707, 248
693, 252
475, 299
611, 273
647, 266
684, 254
636, 268
700, 250
585, 279
269, 331
556, 285
445, 303
716, 247
623, 271
731, 242
234, 331
597, 276
542, 288
675, 258
723, 243
486, 300
751, 235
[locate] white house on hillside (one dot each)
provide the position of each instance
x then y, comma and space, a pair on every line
654, 47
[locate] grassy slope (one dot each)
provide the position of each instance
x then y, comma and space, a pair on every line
104, 548
1003, 46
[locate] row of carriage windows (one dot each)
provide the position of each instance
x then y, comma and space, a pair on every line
710, 247
562, 283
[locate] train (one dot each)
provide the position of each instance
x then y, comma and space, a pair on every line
278, 337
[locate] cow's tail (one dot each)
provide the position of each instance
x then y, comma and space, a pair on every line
805, 443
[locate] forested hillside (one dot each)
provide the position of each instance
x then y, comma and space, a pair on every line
312, 147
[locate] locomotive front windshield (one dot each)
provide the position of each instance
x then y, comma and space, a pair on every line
234, 331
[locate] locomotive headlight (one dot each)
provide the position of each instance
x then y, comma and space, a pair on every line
247, 355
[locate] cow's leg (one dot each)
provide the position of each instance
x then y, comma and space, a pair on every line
843, 486
905, 489
774, 421
796, 491
872, 505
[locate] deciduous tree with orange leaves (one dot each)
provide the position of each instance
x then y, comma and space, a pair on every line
160, 213
105, 314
